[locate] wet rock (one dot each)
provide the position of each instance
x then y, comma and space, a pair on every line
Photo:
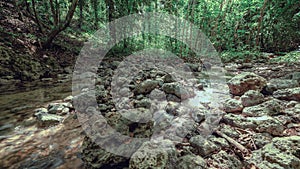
145, 87
45, 119
177, 90
271, 107
199, 115
191, 161
41, 111
251, 98
57, 108
244, 82
152, 154
225, 160
233, 105
288, 94
276, 84
68, 99
203, 146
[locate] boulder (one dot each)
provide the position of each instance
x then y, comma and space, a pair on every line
244, 82
146, 87
251, 98
288, 94
203, 146
293, 76
45, 119
95, 157
191, 161
271, 107
281, 153
177, 90
260, 124
233, 105
153, 154
276, 84
225, 160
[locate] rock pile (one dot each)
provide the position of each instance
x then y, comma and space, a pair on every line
259, 126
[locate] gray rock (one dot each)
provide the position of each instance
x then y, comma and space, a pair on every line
261, 139
191, 161
225, 160
203, 146
68, 99
160, 155
193, 67
168, 78
271, 107
177, 90
144, 103
45, 119
251, 98
40, 110
145, 87
282, 152
55, 108
294, 76
244, 82
260, 124
288, 94
157, 95
276, 84
95, 157
229, 131
293, 112
233, 105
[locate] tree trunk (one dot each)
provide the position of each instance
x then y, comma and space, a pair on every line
61, 26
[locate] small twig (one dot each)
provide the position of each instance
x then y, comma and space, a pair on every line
232, 141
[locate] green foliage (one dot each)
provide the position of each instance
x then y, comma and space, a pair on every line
242, 28
244, 55
290, 57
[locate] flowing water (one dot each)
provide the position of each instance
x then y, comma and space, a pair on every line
24, 144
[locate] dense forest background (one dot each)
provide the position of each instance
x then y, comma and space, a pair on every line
231, 25
248, 30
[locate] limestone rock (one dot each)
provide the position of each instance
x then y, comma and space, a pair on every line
251, 98
202, 145
145, 87
288, 94
233, 105
191, 161
271, 107
276, 84
161, 155
244, 82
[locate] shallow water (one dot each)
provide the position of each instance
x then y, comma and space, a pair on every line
24, 144
20, 105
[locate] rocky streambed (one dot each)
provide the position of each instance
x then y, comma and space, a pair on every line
163, 120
